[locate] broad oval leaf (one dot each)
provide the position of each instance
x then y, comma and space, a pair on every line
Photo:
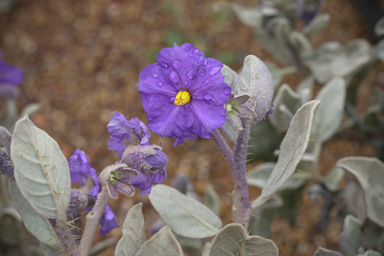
184, 215
351, 239
233, 239
330, 113
325, 252
41, 170
292, 150
133, 232
370, 174
163, 243
286, 103
256, 81
38, 225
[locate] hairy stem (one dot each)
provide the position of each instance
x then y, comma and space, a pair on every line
224, 148
239, 175
65, 237
93, 219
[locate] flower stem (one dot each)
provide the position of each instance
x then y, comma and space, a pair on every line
241, 209
65, 237
239, 176
93, 219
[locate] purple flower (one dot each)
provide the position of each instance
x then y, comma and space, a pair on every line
184, 93
130, 140
81, 169
108, 221
10, 78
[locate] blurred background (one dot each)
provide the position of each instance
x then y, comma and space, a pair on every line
82, 59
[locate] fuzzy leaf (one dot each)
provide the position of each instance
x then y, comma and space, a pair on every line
163, 243
212, 199
38, 225
233, 240
352, 238
285, 105
370, 174
292, 150
325, 252
333, 178
133, 232
250, 17
379, 27
318, 24
184, 215
41, 170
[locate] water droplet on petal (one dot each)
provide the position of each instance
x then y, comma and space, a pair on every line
186, 82
214, 71
201, 71
174, 77
176, 64
205, 62
227, 91
190, 74
209, 98
196, 51
191, 56
172, 99
155, 75
160, 84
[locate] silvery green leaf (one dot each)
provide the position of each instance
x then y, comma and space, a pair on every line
249, 16
379, 27
276, 76
330, 113
276, 47
30, 110
231, 77
370, 253
184, 215
351, 201
335, 60
255, 80
206, 249
212, 199
51, 250
370, 174
189, 245
351, 239
233, 239
163, 243
133, 232
292, 150
325, 252
331, 181
379, 50
10, 114
286, 102
305, 88
38, 225
317, 24
301, 43
260, 174
41, 170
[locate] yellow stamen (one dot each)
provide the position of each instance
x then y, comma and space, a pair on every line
182, 98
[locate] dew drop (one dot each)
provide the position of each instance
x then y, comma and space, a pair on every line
174, 77
160, 84
190, 74
196, 51
227, 91
205, 62
186, 82
214, 71
201, 71
176, 64
155, 75
172, 99
209, 98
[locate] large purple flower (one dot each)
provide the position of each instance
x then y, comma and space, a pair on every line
130, 140
81, 170
184, 93
10, 78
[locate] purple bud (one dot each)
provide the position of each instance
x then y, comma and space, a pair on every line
78, 200
158, 161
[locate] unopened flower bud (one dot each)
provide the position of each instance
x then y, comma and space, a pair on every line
158, 160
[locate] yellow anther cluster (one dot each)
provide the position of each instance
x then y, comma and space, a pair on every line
182, 98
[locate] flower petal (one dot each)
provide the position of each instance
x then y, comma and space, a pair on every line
10, 75
80, 167
108, 221
145, 181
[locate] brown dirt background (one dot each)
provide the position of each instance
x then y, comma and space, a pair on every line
82, 60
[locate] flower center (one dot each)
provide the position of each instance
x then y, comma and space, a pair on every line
182, 98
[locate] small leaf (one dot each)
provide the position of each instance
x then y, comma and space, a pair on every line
379, 27
133, 232
38, 225
234, 240
41, 170
286, 103
305, 88
370, 253
231, 77
250, 17
318, 24
184, 215
212, 199
325, 252
370, 174
163, 243
292, 150
330, 113
30, 110
352, 238
333, 178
